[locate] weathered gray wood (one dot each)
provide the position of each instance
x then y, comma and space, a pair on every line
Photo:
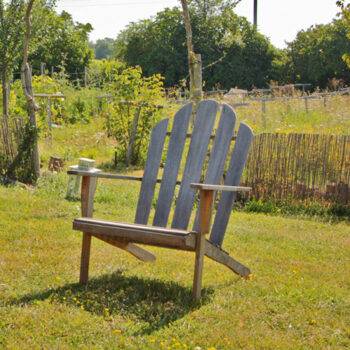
220, 188
204, 122
205, 211
154, 156
233, 178
220, 256
135, 250
124, 235
220, 149
87, 206
102, 175
189, 135
137, 233
172, 165
110, 176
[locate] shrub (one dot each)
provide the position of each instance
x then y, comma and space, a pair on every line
136, 97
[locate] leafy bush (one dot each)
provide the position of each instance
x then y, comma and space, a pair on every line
135, 97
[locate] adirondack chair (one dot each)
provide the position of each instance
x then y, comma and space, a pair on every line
127, 236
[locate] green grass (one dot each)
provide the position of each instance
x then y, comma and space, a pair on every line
291, 116
299, 297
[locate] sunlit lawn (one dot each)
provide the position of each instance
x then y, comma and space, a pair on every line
299, 297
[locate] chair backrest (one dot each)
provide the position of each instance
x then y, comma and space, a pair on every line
195, 161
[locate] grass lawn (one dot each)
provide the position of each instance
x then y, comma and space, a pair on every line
298, 297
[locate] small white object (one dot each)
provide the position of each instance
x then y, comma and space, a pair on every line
84, 164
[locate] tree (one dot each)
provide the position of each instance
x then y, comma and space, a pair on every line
103, 48
233, 52
317, 54
11, 36
345, 17
26, 77
58, 41
191, 58
157, 45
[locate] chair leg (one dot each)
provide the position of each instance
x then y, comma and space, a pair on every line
85, 258
135, 250
224, 258
198, 267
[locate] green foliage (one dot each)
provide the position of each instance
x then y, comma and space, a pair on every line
332, 212
345, 8
102, 72
21, 168
317, 54
77, 106
282, 67
59, 42
11, 32
244, 57
104, 48
142, 92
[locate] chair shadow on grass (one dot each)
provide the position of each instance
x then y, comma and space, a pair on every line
151, 302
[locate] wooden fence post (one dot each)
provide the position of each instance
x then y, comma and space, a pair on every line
133, 132
49, 117
263, 106
306, 105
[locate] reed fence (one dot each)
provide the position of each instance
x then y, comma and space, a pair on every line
287, 166
11, 132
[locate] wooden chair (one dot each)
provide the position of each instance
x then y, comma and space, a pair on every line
127, 236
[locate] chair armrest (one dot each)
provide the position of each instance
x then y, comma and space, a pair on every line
109, 176
101, 175
220, 187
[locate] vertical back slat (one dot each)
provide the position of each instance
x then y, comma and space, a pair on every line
197, 152
172, 165
233, 178
154, 156
221, 147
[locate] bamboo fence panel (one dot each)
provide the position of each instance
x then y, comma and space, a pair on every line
11, 133
288, 166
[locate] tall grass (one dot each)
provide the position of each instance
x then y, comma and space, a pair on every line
291, 117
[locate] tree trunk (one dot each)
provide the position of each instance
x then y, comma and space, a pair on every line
5, 97
190, 52
26, 77
4, 124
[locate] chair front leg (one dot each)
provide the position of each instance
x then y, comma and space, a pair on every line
205, 211
88, 188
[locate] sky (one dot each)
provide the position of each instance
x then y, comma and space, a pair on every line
279, 20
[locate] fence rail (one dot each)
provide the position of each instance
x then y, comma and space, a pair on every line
286, 166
